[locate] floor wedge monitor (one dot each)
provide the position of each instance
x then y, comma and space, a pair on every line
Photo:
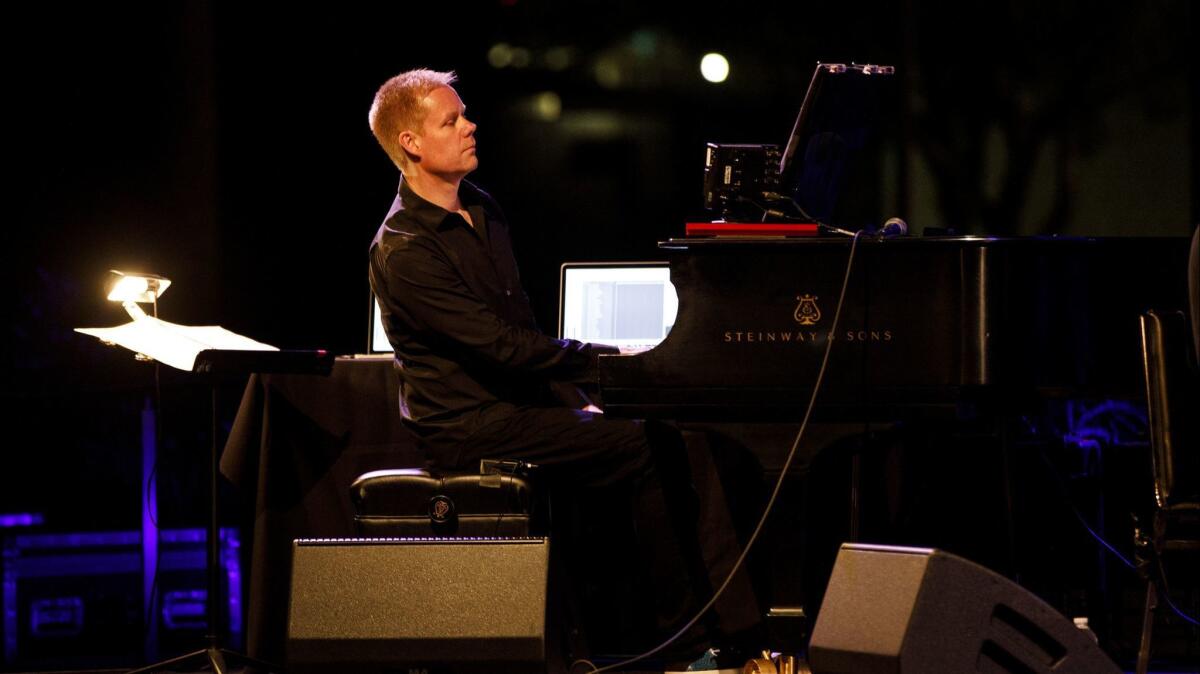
918, 610
418, 604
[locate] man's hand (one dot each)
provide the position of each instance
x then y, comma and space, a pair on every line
592, 408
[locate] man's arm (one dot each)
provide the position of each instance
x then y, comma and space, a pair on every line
432, 297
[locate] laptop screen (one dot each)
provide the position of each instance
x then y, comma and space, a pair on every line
377, 341
624, 304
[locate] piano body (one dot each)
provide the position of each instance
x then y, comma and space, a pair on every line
942, 347
941, 327
947, 350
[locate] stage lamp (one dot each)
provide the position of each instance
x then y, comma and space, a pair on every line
714, 67
130, 288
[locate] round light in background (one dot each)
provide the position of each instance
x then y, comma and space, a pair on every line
547, 106
714, 67
500, 55
607, 72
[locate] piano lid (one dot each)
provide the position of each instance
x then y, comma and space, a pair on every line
831, 165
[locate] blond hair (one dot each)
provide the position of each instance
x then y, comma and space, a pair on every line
397, 108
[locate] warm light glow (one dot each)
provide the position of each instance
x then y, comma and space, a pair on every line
500, 55
547, 106
128, 288
714, 67
608, 73
135, 287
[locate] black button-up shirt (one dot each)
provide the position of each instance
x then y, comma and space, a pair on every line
467, 346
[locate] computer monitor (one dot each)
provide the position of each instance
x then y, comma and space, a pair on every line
623, 304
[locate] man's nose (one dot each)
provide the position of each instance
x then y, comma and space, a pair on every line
469, 128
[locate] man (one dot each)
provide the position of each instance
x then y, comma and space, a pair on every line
469, 354
477, 378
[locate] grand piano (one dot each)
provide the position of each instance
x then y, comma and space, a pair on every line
935, 423
947, 352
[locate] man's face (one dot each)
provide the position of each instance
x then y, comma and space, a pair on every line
447, 137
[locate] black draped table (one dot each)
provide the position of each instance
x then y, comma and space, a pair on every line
298, 442
296, 445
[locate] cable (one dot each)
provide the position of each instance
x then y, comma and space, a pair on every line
803, 213
768, 211
804, 216
774, 493
1101, 540
589, 663
1166, 593
1062, 492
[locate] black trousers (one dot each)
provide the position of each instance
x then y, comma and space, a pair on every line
684, 538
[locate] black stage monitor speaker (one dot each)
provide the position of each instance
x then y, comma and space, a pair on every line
910, 610
418, 605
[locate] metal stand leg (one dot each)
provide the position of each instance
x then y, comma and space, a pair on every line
213, 657
1143, 659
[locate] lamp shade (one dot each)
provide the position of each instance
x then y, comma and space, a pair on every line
136, 286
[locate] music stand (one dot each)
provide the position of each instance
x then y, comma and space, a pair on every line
217, 365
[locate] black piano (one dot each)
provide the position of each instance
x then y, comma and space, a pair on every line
931, 327
958, 368
946, 352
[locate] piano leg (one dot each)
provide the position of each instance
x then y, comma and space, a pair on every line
855, 496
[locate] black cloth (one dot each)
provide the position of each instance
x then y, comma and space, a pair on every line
467, 345
299, 441
296, 445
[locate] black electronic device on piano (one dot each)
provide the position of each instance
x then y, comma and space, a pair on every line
740, 180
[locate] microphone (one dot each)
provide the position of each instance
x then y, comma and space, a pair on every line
892, 228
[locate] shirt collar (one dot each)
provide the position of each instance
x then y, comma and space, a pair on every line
429, 214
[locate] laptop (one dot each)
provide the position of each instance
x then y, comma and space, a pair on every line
631, 305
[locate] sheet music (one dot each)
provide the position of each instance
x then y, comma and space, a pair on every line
173, 344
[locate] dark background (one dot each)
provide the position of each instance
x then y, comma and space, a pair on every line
225, 145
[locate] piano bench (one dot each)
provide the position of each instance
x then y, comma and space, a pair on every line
418, 503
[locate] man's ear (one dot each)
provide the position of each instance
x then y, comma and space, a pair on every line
410, 143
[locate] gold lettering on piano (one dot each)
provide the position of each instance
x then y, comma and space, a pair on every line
868, 335
803, 336
797, 336
807, 312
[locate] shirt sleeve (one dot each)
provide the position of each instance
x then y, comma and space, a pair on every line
428, 292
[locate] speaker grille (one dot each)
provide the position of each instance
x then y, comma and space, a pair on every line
417, 602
